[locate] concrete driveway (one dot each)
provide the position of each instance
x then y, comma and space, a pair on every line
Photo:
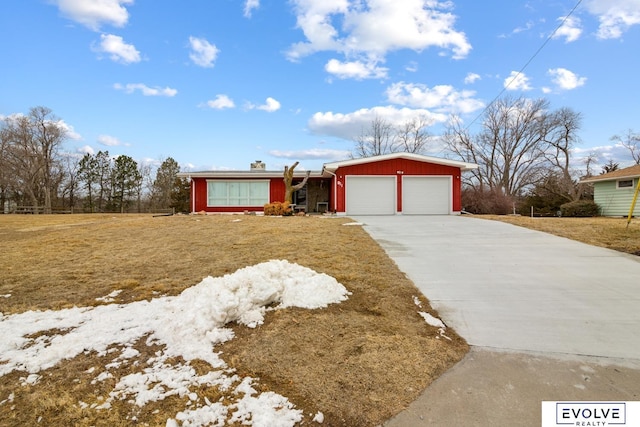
540, 304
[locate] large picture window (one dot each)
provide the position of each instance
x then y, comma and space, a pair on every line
237, 193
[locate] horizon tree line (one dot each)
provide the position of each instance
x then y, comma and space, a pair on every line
36, 173
523, 149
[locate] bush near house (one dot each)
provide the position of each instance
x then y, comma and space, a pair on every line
278, 209
580, 208
485, 201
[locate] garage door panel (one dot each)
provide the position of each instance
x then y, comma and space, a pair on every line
371, 195
426, 195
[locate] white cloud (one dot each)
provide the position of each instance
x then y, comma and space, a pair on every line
86, 149
146, 90
615, 16
110, 141
118, 50
202, 53
571, 29
221, 102
94, 13
69, 130
471, 78
603, 153
375, 27
412, 67
517, 81
350, 125
249, 5
355, 70
529, 25
442, 98
312, 154
269, 106
565, 79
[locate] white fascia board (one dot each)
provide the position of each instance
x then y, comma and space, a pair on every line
247, 174
332, 167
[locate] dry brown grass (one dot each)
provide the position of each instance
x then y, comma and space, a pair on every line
611, 233
359, 362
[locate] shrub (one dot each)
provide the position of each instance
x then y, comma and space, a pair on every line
278, 209
580, 208
486, 201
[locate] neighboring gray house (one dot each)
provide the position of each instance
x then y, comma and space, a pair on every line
614, 191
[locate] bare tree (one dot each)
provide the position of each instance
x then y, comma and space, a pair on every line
144, 181
378, 139
71, 178
561, 131
631, 141
5, 172
588, 163
33, 142
289, 188
412, 136
382, 137
510, 150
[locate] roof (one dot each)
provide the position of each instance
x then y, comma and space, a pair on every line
327, 168
626, 173
331, 167
248, 174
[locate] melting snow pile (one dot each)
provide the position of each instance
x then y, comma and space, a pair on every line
431, 320
188, 325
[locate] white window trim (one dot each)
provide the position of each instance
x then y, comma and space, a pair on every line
625, 187
245, 181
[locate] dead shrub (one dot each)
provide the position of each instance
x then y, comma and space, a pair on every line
278, 209
486, 201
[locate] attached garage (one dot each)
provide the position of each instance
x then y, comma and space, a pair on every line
397, 183
371, 195
426, 195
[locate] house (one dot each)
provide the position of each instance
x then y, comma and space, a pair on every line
398, 183
614, 191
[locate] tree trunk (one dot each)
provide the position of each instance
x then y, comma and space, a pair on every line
289, 188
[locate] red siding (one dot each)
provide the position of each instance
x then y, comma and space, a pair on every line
398, 167
276, 194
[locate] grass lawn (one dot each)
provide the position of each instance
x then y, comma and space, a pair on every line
611, 233
358, 362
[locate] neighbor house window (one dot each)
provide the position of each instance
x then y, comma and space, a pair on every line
625, 183
237, 193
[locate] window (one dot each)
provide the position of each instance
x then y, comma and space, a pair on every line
237, 193
625, 183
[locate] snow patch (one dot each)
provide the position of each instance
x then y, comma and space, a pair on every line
188, 325
111, 297
433, 321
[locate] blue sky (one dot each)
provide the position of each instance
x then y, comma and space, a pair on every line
217, 84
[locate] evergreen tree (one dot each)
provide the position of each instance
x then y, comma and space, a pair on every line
180, 194
165, 183
125, 180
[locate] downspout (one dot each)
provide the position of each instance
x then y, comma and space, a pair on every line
335, 190
193, 194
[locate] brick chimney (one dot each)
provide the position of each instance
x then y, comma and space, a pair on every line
258, 166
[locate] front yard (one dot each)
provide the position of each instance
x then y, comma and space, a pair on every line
356, 362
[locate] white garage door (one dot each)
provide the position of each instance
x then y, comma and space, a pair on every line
371, 195
426, 195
